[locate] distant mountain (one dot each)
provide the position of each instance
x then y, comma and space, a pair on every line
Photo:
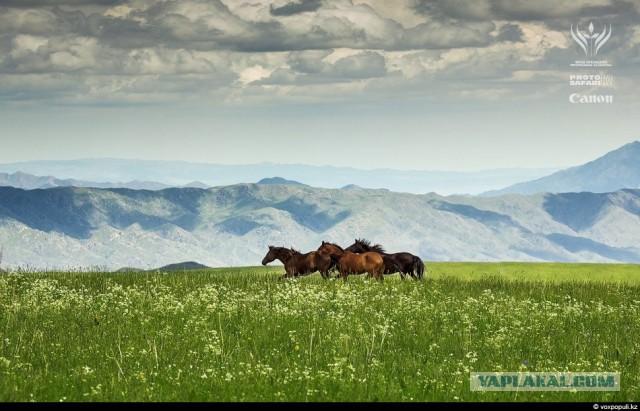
234, 225
351, 187
615, 170
193, 184
181, 173
281, 181
188, 265
30, 182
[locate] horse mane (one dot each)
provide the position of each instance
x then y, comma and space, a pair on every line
364, 242
367, 244
335, 245
295, 251
281, 249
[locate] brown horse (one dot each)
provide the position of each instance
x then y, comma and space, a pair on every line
331, 248
407, 263
296, 263
352, 263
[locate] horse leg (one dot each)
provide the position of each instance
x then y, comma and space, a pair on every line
290, 272
410, 273
413, 273
375, 274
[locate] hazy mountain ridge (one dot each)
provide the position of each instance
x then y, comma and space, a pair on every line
280, 180
615, 170
181, 173
233, 225
27, 181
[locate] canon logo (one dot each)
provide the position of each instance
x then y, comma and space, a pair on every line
590, 98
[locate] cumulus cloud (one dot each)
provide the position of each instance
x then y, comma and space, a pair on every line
45, 3
510, 32
290, 9
517, 10
449, 35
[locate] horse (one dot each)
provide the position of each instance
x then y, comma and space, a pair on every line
363, 246
331, 248
407, 262
351, 263
296, 263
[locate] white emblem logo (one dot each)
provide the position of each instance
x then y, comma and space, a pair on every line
591, 42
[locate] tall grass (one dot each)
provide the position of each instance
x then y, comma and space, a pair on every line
242, 335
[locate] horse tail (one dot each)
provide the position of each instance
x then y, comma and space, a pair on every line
419, 265
323, 262
335, 258
312, 260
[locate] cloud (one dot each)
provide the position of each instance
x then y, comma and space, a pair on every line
548, 9
322, 67
362, 65
48, 3
437, 35
457, 9
176, 50
516, 10
290, 9
510, 32
18, 21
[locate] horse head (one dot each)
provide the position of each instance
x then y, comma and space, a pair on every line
330, 247
358, 247
271, 256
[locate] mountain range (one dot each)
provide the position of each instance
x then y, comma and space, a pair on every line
572, 219
615, 170
107, 173
30, 182
72, 227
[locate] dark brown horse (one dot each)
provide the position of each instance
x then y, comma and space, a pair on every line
406, 263
296, 263
351, 263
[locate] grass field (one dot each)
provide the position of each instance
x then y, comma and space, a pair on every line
239, 334
552, 272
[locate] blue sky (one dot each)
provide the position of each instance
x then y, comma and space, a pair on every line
408, 84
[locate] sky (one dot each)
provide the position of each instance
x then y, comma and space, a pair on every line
453, 85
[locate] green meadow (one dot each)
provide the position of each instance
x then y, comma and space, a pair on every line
552, 272
240, 334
